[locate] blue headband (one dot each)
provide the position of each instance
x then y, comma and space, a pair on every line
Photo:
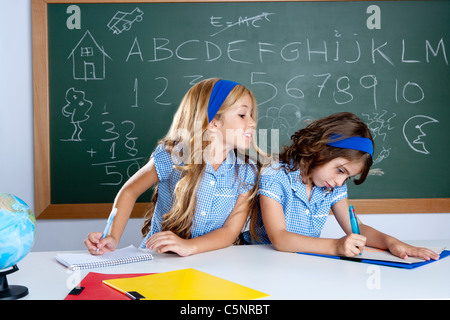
354, 143
218, 95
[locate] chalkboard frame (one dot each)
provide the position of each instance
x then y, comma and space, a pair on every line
44, 209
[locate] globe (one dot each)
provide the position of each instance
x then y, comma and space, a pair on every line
17, 226
17, 232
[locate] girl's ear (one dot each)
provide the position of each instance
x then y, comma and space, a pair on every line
214, 125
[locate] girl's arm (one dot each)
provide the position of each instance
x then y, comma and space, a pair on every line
124, 202
167, 241
378, 239
283, 240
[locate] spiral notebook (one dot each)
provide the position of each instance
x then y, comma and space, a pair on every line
78, 261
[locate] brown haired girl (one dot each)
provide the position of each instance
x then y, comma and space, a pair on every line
296, 194
205, 180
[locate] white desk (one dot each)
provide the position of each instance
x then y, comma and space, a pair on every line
282, 275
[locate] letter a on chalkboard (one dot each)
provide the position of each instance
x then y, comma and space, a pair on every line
374, 21
74, 21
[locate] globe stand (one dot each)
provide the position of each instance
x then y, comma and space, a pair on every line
11, 292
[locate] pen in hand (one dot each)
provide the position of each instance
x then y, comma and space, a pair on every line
353, 221
112, 215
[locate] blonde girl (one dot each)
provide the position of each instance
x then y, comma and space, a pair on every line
206, 182
297, 193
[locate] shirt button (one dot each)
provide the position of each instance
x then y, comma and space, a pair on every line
212, 183
203, 213
307, 211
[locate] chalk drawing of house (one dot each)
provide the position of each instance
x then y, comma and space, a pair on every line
88, 59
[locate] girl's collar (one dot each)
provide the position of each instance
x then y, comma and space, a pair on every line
225, 166
297, 184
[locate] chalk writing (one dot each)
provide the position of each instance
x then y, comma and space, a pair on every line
304, 50
299, 69
135, 89
254, 22
116, 168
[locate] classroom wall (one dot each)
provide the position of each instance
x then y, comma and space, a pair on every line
16, 153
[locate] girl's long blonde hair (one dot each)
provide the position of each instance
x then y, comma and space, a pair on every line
189, 128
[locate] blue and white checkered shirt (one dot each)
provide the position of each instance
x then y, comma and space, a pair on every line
303, 216
216, 196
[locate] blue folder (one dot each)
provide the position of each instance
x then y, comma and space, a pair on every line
443, 254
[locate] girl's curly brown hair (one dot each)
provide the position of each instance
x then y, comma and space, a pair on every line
309, 148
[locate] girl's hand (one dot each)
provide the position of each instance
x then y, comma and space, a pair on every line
167, 241
350, 245
94, 242
403, 250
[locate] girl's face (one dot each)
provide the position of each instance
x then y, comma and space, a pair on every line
336, 172
237, 126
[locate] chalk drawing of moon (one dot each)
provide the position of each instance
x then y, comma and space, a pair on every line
413, 133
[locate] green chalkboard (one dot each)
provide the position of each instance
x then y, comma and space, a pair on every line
117, 73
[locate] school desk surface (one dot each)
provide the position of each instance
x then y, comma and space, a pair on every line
282, 275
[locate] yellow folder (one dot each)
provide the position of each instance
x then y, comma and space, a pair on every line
185, 284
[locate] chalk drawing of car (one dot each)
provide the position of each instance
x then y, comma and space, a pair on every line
122, 21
